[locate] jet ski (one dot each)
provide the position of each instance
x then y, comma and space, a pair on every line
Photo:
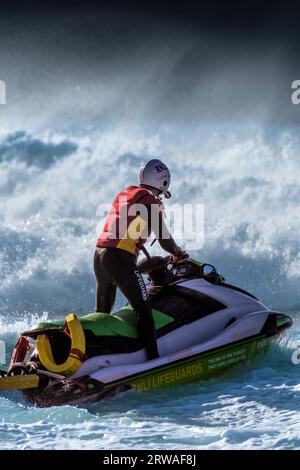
204, 326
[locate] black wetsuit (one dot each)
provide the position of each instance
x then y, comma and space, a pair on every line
117, 268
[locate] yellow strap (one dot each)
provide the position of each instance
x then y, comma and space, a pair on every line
19, 382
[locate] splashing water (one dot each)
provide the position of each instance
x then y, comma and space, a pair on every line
256, 408
248, 184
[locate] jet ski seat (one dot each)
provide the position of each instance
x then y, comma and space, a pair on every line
172, 307
104, 333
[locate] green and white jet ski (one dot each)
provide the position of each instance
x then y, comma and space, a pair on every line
204, 327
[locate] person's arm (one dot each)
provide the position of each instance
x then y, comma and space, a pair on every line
170, 246
162, 232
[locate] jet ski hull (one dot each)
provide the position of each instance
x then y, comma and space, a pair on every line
202, 366
203, 325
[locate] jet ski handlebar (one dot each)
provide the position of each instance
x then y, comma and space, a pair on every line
153, 263
163, 270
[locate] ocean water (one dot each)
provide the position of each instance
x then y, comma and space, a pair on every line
50, 187
256, 408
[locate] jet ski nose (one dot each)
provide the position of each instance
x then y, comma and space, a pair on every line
284, 321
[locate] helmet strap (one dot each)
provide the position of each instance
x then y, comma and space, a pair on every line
166, 193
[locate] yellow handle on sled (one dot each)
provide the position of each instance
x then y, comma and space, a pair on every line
19, 382
77, 352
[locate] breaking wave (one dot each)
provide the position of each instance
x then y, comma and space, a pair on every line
51, 186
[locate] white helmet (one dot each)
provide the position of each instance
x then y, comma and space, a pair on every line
157, 175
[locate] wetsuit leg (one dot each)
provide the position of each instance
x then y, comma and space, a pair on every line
105, 287
121, 267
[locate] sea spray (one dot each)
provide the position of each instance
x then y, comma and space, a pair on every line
248, 186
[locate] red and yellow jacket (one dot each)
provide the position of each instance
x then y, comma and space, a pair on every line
128, 224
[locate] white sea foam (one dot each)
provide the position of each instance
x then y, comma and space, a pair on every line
249, 188
211, 116
51, 186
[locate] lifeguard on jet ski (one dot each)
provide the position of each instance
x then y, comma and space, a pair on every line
136, 212
185, 325
204, 326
